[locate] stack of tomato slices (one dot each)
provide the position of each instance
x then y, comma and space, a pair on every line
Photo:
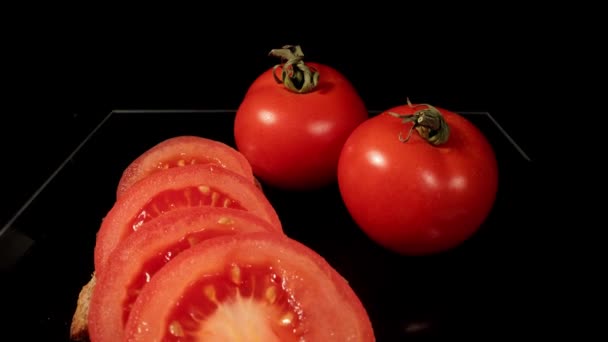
192, 250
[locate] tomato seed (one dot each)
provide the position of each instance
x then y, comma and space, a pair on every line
286, 319
175, 329
271, 294
225, 220
214, 197
235, 274
210, 293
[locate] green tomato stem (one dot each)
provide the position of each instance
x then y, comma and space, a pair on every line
428, 122
295, 75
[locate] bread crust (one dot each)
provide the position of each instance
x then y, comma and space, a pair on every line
79, 329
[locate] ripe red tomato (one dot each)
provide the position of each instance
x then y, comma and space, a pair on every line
181, 151
415, 196
251, 286
293, 139
188, 186
137, 258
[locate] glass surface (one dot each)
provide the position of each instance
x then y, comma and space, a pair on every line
46, 249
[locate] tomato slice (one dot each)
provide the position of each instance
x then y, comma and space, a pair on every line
137, 258
189, 186
248, 287
180, 151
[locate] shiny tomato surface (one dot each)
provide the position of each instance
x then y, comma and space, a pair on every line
415, 197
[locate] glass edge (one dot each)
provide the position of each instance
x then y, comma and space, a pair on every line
6, 227
374, 111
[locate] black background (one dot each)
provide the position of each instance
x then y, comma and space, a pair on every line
64, 73
68, 68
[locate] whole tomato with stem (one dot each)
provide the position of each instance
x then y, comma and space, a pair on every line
418, 179
294, 120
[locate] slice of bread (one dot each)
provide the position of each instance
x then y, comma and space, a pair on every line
79, 330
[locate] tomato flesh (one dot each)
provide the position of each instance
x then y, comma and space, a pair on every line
255, 293
160, 259
182, 151
259, 286
141, 255
161, 192
192, 196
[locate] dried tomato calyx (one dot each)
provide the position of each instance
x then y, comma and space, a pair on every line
295, 75
428, 122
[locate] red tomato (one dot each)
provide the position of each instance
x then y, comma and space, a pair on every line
181, 151
248, 287
293, 140
188, 186
137, 258
415, 197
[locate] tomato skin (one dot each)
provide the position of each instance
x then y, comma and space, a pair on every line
187, 148
133, 255
328, 304
293, 140
413, 197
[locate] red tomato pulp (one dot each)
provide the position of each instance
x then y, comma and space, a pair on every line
180, 151
138, 257
251, 286
188, 186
